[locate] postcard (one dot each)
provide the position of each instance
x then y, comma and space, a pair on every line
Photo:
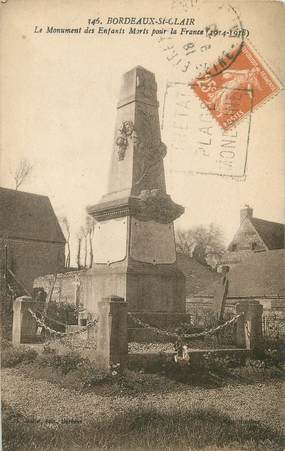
142, 216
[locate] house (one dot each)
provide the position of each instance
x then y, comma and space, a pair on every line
253, 235
261, 276
31, 239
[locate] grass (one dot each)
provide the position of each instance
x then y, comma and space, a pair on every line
73, 372
63, 403
41, 416
86, 378
144, 429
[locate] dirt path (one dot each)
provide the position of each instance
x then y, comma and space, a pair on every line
42, 400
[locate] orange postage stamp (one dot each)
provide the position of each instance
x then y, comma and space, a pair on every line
233, 93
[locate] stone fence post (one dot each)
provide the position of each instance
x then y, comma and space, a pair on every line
112, 334
24, 326
249, 325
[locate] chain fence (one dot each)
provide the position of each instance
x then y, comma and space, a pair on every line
66, 338
171, 335
56, 333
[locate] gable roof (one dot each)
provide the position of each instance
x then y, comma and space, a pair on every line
272, 233
197, 276
259, 275
28, 216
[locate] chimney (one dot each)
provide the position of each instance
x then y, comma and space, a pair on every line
245, 212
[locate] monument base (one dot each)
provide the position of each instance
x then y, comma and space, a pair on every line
145, 287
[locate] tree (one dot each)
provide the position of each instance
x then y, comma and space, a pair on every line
201, 243
90, 225
79, 242
84, 234
66, 230
22, 172
85, 244
185, 242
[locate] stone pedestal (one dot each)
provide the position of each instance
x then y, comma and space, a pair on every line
111, 335
249, 325
134, 251
147, 288
220, 296
24, 326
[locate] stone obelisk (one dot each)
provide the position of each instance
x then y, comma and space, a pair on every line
134, 244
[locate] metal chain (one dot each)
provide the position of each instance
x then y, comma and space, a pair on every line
212, 331
45, 317
141, 323
61, 334
205, 333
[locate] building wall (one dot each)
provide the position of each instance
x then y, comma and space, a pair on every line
30, 259
245, 242
245, 237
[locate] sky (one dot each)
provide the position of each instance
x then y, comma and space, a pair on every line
58, 109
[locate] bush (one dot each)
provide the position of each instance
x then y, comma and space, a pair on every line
66, 362
255, 364
272, 353
68, 370
274, 357
203, 369
63, 312
47, 349
216, 364
5, 344
12, 356
6, 315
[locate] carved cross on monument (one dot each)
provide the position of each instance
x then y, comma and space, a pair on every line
134, 251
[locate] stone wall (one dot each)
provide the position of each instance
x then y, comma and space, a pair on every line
273, 310
30, 259
68, 287
202, 311
74, 287
269, 304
